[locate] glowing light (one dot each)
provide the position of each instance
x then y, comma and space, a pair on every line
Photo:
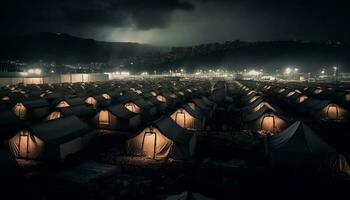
254, 73
288, 71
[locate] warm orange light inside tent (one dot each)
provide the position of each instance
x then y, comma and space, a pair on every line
347, 97
185, 120
302, 98
26, 146
318, 91
268, 124
150, 143
132, 107
20, 110
298, 91
138, 91
103, 117
91, 101
106, 96
54, 115
5, 98
161, 98
290, 93
333, 112
62, 104
154, 94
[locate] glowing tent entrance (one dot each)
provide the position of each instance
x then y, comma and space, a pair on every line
62, 104
51, 140
106, 96
271, 123
25, 145
103, 117
264, 121
164, 139
54, 115
333, 112
20, 110
150, 143
302, 98
186, 120
132, 107
91, 101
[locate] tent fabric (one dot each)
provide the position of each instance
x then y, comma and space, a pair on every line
314, 104
172, 130
251, 116
150, 143
29, 104
172, 141
121, 111
299, 138
60, 130
79, 111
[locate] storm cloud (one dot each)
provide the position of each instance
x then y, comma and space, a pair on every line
180, 22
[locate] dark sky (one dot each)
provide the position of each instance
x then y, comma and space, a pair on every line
180, 22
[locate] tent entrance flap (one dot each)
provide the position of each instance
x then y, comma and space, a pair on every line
332, 112
150, 138
150, 143
23, 150
103, 117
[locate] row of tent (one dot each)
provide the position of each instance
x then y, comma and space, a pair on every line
291, 143
173, 134
295, 98
64, 131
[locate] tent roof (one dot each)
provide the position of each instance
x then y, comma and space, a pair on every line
299, 138
60, 130
250, 116
315, 104
143, 103
195, 113
172, 130
35, 103
121, 111
80, 110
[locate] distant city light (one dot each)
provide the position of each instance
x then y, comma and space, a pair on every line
296, 69
36, 71
52, 71
288, 71
254, 73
